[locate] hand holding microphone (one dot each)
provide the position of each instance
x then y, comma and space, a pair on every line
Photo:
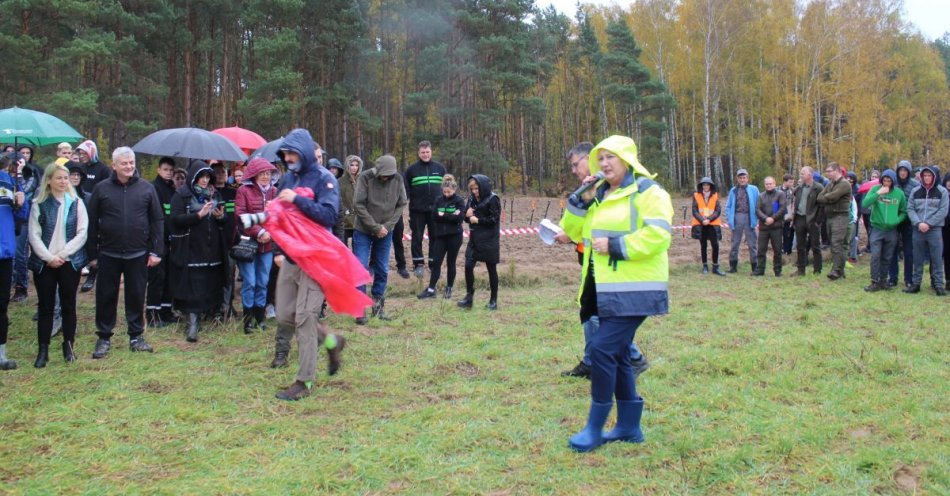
589, 182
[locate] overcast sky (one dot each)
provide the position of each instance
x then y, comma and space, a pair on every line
932, 17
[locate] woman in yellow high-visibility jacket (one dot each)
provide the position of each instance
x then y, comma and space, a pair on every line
627, 227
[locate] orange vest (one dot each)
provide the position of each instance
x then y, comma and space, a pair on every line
707, 209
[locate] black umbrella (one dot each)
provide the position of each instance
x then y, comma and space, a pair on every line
268, 152
190, 142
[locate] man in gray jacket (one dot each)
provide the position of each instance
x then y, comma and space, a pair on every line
379, 201
927, 210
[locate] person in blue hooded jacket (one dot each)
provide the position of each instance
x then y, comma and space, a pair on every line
299, 297
11, 201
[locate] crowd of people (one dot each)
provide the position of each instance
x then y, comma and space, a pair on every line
173, 241
904, 212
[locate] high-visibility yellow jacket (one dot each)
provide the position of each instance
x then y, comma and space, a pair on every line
632, 278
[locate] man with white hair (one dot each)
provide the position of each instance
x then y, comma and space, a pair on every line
126, 236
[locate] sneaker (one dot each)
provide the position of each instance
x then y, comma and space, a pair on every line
580, 370
139, 344
335, 355
269, 312
102, 348
427, 293
19, 294
296, 391
639, 366
403, 273
419, 271
849, 264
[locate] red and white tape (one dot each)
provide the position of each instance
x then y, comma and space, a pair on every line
518, 231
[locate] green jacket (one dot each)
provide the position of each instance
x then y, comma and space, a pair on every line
886, 211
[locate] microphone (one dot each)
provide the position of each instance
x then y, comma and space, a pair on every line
576, 195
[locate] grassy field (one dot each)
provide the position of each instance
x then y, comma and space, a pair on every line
758, 386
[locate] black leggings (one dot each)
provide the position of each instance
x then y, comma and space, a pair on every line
708, 234
6, 280
442, 246
492, 278
49, 281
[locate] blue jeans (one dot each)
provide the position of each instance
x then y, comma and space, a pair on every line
363, 246
256, 274
931, 243
21, 277
611, 374
590, 328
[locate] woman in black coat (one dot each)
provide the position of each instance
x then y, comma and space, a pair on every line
198, 247
483, 213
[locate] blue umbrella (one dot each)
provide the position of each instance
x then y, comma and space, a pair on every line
269, 151
19, 125
190, 142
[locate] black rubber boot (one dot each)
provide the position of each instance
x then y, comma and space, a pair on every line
259, 316
248, 315
193, 328
733, 266
42, 357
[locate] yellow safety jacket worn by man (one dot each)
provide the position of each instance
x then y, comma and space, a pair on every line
632, 278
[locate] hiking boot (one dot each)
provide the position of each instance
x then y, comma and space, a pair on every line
579, 370
89, 284
403, 273
68, 352
335, 354
419, 271
639, 366
42, 357
716, 270
102, 348
280, 359
834, 275
467, 301
940, 291
705, 269
138, 343
912, 289
492, 305
447, 293
733, 266
19, 294
874, 287
296, 391
426, 293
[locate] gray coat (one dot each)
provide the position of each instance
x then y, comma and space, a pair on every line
928, 205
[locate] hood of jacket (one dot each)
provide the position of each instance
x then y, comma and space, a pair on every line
936, 172
891, 174
905, 164
706, 180
255, 167
91, 149
484, 187
623, 147
195, 169
386, 166
334, 166
76, 168
300, 142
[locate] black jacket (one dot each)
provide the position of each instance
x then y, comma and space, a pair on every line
95, 173
450, 222
483, 238
423, 182
125, 219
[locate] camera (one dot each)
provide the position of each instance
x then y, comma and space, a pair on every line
248, 220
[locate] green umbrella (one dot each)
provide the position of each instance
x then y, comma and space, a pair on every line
19, 125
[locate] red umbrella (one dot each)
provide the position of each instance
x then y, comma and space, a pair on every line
868, 185
245, 139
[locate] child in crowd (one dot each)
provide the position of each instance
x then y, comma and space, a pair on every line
483, 213
446, 236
